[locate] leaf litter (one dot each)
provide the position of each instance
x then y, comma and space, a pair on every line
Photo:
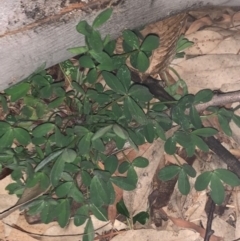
212, 62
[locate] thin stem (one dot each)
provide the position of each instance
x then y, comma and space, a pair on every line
179, 163
111, 103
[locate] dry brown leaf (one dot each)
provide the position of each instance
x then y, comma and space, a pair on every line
168, 31
137, 200
210, 72
172, 159
112, 209
235, 152
28, 195
196, 25
155, 235
99, 227
214, 40
236, 20
185, 224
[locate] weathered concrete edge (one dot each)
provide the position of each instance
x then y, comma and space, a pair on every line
24, 52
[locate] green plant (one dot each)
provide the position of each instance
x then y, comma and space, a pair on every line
58, 138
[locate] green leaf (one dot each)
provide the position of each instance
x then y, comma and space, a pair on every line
16, 174
170, 146
140, 162
76, 194
140, 61
104, 59
190, 149
48, 159
66, 176
4, 103
136, 111
124, 183
95, 41
42, 130
136, 137
27, 111
101, 132
86, 62
98, 145
18, 91
150, 43
123, 167
203, 180
183, 138
226, 113
98, 192
131, 38
37, 208
110, 47
44, 181
4, 126
195, 117
99, 212
89, 232
7, 139
169, 172
6, 155
124, 75
46, 92
57, 170
41, 108
98, 97
86, 106
158, 107
85, 144
183, 183
236, 120
113, 82
102, 174
228, 177
111, 164
78, 50
63, 211
81, 215
63, 189
140, 93
118, 61
92, 76
102, 18
122, 209
141, 217
205, 132
159, 131
189, 170
203, 96
22, 136
78, 88
178, 116
149, 132
132, 175
86, 178
119, 131
200, 143
15, 188
224, 123
217, 190
84, 28
47, 214
80, 130
69, 155
183, 43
